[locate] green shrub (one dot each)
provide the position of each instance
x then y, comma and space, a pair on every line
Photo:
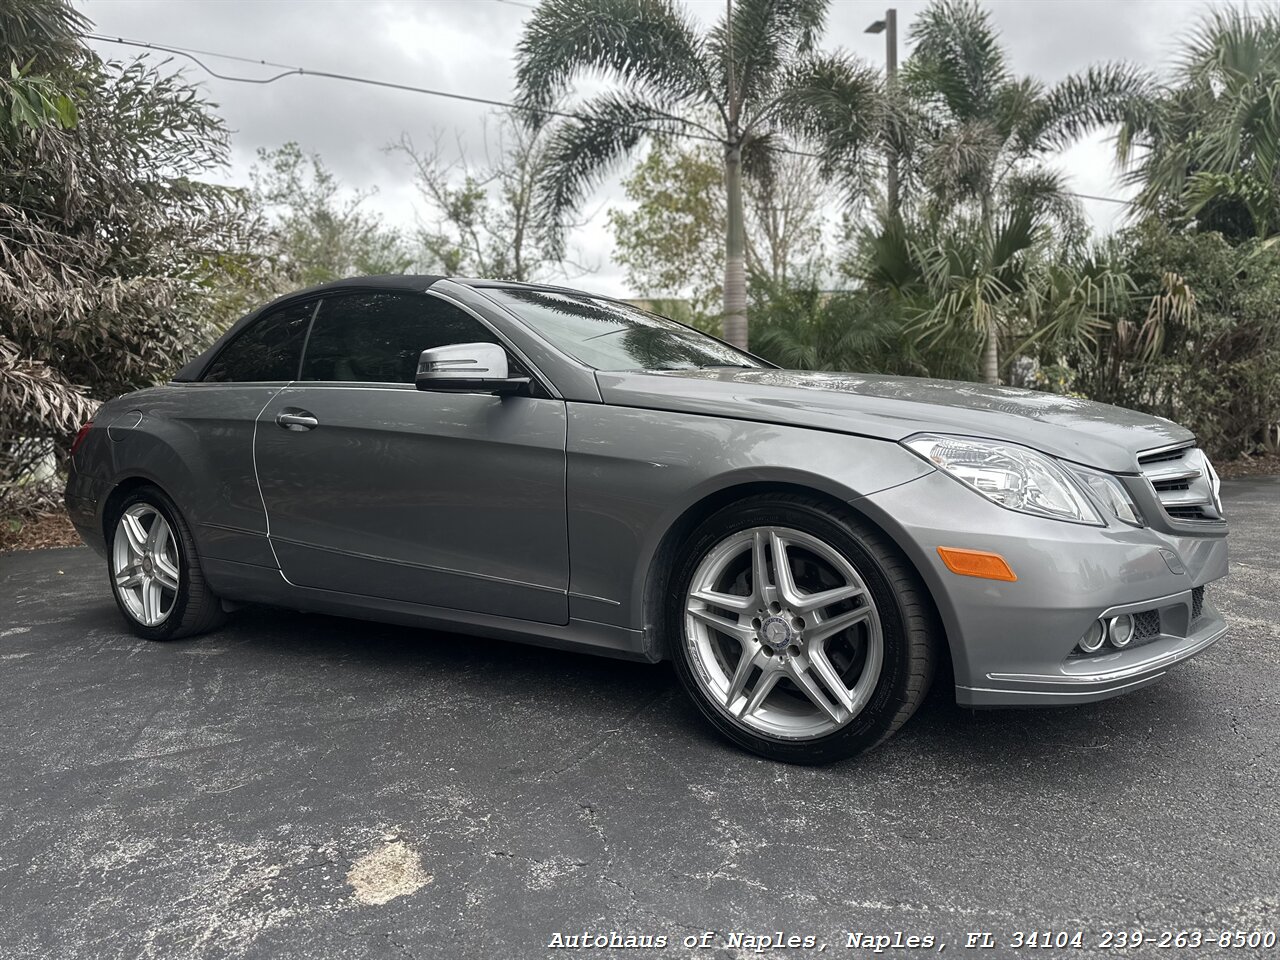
1213, 365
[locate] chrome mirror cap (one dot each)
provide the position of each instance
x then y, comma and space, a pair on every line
467, 368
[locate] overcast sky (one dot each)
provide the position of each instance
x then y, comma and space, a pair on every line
466, 46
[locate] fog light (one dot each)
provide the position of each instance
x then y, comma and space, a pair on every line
1093, 638
1121, 630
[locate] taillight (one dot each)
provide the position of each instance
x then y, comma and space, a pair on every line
80, 435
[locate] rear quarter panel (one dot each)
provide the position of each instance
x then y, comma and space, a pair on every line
194, 441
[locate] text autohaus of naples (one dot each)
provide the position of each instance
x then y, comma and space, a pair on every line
754, 942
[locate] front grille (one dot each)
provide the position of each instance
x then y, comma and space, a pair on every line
1184, 483
1197, 603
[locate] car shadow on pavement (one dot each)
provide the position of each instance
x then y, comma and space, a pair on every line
548, 682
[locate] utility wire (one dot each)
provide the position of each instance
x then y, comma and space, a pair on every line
1094, 196
288, 70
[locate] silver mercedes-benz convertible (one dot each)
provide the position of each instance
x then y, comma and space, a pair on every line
546, 465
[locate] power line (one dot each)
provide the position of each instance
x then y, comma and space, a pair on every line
1094, 196
288, 70
189, 51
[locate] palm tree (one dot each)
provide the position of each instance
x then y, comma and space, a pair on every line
1209, 141
750, 81
975, 140
986, 272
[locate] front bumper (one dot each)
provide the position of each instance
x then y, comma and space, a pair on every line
1015, 643
1109, 672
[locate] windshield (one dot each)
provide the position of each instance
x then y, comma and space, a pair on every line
608, 335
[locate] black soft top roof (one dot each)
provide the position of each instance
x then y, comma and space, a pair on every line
388, 281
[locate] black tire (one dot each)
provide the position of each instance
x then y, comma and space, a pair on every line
908, 623
196, 609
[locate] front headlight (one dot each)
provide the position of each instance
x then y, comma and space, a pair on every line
1111, 493
1015, 477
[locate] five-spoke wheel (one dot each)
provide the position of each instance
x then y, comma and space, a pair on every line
783, 632
801, 632
144, 563
155, 575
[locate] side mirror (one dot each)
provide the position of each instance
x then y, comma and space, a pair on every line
467, 368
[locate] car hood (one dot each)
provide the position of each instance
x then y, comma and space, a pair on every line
894, 408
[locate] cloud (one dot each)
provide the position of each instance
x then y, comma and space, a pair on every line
466, 46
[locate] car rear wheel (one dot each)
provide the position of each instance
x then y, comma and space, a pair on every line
155, 573
800, 632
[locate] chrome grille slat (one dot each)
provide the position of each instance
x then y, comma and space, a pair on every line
1171, 475
1183, 498
1161, 456
1183, 482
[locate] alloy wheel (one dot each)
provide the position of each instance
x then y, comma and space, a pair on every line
782, 633
144, 564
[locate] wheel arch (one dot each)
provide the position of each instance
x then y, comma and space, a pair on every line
661, 564
113, 500
127, 484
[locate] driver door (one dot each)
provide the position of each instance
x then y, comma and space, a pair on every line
373, 487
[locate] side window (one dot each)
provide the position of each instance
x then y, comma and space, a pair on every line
268, 349
377, 337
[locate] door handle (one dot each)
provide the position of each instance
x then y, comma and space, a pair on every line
297, 421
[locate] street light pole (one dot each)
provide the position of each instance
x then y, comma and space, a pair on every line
889, 27
891, 43
734, 321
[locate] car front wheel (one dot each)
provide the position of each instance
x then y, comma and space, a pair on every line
800, 632
155, 573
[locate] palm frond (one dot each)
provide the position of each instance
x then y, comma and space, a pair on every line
1083, 102
646, 44
1048, 192
801, 327
1231, 42
1015, 243
957, 63
766, 35
1174, 302
1207, 144
1077, 298
834, 102
960, 162
1015, 103
884, 257
799, 21
762, 155
582, 149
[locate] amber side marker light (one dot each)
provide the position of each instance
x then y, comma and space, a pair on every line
976, 563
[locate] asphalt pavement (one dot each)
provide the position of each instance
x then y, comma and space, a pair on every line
298, 786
